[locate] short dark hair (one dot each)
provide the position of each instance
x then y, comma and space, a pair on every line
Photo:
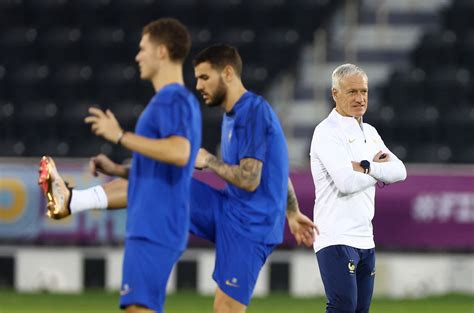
173, 34
219, 56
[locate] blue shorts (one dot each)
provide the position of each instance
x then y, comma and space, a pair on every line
238, 259
348, 276
145, 272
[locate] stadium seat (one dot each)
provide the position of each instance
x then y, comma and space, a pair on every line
7, 119
48, 12
3, 83
90, 146
127, 112
447, 86
18, 44
106, 43
28, 81
432, 153
131, 13
404, 88
12, 13
458, 17
34, 112
71, 118
117, 81
72, 81
201, 37
466, 51
434, 47
464, 154
60, 44
12, 147
38, 148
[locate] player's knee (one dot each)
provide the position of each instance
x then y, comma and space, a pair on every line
224, 307
221, 305
225, 304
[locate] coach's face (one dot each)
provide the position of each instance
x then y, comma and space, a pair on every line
210, 84
351, 96
147, 58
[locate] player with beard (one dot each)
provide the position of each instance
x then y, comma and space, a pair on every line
245, 220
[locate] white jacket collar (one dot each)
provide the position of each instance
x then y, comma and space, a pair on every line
346, 121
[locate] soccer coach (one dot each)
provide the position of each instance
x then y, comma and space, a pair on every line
348, 158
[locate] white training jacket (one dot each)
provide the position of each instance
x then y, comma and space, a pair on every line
344, 205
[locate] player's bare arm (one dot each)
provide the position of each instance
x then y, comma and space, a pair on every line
292, 203
300, 225
174, 150
102, 164
246, 175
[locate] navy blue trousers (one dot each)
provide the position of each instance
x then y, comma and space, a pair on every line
348, 276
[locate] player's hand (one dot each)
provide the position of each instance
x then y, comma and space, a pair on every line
202, 159
104, 124
102, 164
381, 157
302, 228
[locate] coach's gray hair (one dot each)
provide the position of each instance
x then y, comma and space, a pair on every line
346, 70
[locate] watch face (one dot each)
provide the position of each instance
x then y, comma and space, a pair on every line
365, 164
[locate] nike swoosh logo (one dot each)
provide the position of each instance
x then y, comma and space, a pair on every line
125, 290
352, 140
228, 283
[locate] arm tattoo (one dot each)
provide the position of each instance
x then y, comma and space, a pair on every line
246, 175
292, 201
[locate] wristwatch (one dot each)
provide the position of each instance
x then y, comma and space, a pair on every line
365, 165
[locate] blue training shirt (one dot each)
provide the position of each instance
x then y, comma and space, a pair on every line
252, 130
159, 193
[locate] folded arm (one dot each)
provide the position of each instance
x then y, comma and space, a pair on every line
388, 172
336, 160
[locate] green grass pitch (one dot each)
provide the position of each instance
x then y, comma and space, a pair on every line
103, 302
